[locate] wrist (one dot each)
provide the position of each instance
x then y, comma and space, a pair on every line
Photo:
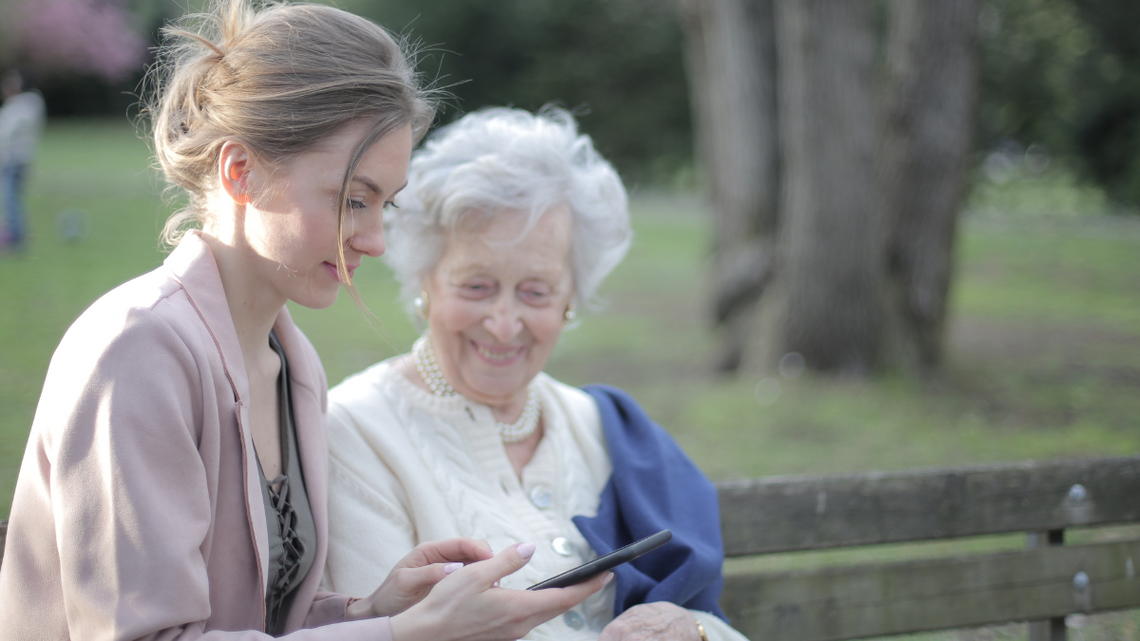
701, 629
358, 609
405, 626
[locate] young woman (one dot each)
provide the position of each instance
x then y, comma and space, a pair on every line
174, 484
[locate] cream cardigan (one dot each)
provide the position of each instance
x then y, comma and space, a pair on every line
138, 511
407, 467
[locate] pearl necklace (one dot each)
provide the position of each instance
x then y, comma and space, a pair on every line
428, 368
426, 365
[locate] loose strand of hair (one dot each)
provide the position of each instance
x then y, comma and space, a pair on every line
381, 128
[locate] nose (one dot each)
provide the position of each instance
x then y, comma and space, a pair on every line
504, 321
366, 235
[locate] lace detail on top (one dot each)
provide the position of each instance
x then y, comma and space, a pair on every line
291, 524
287, 574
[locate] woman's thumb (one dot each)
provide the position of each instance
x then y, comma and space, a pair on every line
512, 559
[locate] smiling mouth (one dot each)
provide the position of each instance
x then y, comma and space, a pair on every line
498, 356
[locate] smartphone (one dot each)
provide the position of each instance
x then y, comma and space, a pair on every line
603, 563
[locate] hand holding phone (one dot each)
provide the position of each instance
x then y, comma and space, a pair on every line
606, 562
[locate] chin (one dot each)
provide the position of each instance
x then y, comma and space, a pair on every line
501, 389
318, 301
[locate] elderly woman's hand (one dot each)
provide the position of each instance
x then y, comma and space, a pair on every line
414, 576
659, 621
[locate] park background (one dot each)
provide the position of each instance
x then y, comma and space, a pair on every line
1042, 343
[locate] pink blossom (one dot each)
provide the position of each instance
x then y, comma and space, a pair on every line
79, 36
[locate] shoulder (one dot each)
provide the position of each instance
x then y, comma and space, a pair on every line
367, 430
34, 103
29, 104
138, 353
364, 406
616, 407
578, 412
135, 317
578, 405
363, 391
571, 419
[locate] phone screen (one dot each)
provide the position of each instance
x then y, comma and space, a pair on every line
603, 563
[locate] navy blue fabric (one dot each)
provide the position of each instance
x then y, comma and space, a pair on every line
655, 487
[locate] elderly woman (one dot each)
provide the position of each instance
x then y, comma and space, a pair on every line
507, 226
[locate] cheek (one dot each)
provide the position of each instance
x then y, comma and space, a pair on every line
546, 326
452, 316
317, 216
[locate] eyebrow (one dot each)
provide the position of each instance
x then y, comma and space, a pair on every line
373, 187
543, 273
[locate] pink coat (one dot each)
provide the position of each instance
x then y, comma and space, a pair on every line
138, 512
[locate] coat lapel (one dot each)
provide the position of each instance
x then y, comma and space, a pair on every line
193, 266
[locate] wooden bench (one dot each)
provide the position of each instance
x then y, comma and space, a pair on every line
1044, 582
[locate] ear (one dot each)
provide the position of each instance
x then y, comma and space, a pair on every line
234, 164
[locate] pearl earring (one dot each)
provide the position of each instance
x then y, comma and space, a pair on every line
422, 305
570, 315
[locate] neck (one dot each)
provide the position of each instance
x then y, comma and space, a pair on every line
253, 305
510, 411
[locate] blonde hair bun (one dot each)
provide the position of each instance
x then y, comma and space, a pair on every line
279, 78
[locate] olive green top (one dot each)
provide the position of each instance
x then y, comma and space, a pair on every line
292, 531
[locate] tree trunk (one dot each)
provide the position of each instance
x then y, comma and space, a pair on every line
929, 107
731, 59
846, 204
832, 272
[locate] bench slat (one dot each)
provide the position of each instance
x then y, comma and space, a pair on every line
780, 514
917, 596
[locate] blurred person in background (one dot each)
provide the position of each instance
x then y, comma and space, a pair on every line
174, 485
509, 223
21, 120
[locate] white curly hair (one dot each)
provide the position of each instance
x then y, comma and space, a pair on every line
498, 160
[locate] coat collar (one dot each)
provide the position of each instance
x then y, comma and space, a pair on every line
193, 266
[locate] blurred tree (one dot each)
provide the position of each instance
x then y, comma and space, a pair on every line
731, 61
85, 53
871, 161
1065, 74
1108, 131
830, 279
1031, 50
59, 37
930, 99
617, 63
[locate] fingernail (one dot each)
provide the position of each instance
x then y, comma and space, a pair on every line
609, 577
526, 550
451, 567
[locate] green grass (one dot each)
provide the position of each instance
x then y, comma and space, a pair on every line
100, 169
1043, 347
